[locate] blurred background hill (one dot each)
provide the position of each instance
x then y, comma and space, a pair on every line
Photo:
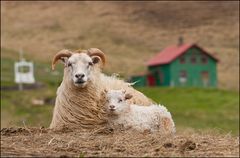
128, 32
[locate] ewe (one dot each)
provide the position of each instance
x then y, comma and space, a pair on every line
153, 117
79, 102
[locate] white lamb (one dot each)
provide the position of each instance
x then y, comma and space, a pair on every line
153, 117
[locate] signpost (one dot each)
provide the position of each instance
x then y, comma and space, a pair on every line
24, 72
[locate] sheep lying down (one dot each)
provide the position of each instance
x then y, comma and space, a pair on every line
153, 117
79, 102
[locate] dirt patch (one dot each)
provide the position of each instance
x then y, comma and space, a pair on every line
108, 142
187, 146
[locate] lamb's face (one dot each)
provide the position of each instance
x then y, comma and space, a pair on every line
116, 101
80, 66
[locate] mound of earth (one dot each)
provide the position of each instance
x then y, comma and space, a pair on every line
108, 142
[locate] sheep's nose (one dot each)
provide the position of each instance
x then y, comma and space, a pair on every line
112, 106
79, 76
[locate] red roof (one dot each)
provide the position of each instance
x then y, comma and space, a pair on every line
172, 52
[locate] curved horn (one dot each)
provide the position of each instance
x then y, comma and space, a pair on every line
97, 52
59, 55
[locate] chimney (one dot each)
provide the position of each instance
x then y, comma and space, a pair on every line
180, 41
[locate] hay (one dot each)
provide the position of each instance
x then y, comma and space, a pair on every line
108, 142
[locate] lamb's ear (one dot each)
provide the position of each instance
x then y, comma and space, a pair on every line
96, 59
128, 96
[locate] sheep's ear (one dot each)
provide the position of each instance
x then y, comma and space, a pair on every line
128, 96
105, 91
96, 59
61, 54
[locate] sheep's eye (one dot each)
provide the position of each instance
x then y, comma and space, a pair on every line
120, 100
90, 63
69, 64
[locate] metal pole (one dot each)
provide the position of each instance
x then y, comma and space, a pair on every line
21, 55
20, 85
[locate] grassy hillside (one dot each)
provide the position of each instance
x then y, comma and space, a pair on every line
128, 32
17, 106
199, 108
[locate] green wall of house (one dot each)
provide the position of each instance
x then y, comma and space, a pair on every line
194, 72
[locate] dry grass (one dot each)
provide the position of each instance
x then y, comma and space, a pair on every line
128, 32
107, 142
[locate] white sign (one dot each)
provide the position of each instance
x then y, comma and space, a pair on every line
24, 72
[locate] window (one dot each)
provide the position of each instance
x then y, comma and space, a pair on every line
24, 69
183, 77
193, 59
204, 59
182, 60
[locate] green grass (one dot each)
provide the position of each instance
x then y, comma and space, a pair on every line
16, 106
199, 108
190, 107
